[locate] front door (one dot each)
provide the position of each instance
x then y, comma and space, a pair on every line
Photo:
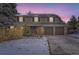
40, 30
37, 30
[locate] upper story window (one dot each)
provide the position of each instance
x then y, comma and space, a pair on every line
20, 19
36, 19
50, 19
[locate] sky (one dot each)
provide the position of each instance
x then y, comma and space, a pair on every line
64, 10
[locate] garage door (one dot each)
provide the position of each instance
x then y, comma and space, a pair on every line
48, 31
59, 30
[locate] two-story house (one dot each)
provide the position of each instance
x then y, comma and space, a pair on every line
47, 24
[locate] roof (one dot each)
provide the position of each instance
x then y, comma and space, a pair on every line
37, 14
41, 15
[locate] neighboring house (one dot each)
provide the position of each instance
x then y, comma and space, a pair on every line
46, 24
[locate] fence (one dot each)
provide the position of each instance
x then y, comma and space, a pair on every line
10, 33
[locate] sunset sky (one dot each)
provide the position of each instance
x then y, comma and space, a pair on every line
65, 11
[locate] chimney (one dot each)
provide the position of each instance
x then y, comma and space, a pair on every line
29, 13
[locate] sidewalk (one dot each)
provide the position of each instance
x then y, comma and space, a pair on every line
74, 35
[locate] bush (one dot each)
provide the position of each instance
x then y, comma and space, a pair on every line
27, 31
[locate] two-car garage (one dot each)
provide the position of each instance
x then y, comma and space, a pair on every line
49, 30
54, 31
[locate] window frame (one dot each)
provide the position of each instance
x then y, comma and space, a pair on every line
51, 19
21, 19
36, 20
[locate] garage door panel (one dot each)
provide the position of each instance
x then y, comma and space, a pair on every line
59, 30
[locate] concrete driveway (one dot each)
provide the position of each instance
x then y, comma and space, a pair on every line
63, 45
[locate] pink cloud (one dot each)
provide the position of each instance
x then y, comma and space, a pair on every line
63, 13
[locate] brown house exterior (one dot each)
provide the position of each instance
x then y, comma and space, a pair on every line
43, 24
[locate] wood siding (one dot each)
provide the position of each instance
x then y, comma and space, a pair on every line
44, 19
28, 19
41, 20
